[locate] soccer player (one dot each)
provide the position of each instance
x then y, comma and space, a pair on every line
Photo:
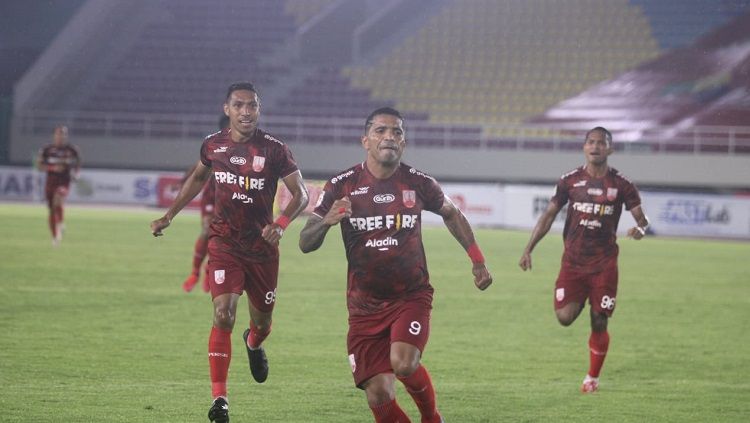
379, 203
207, 214
595, 194
62, 162
246, 164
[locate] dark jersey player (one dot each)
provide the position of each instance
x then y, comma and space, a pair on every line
379, 203
200, 250
595, 194
62, 162
245, 164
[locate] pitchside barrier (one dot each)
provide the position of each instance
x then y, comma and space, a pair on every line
486, 205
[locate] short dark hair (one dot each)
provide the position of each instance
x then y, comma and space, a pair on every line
603, 130
223, 122
381, 111
237, 86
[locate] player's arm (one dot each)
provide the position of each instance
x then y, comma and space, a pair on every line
76, 166
273, 232
460, 228
192, 186
540, 230
316, 228
639, 231
39, 161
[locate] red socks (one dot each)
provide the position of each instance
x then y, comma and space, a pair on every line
419, 386
256, 337
389, 412
598, 345
201, 249
219, 356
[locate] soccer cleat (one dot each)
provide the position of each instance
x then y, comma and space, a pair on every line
590, 384
219, 411
257, 359
189, 283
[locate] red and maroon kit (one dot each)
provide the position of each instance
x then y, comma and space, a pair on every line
589, 262
207, 198
59, 161
245, 176
389, 295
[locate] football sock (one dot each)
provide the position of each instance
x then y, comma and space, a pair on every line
389, 412
201, 248
419, 386
256, 336
598, 346
219, 356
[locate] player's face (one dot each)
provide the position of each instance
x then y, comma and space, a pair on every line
385, 140
60, 136
243, 109
596, 148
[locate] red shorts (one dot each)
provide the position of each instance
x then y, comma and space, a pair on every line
574, 286
50, 190
232, 273
370, 337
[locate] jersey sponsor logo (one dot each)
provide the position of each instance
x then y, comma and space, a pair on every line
419, 173
560, 294
594, 191
384, 198
579, 184
221, 149
243, 181
271, 138
258, 163
590, 223
611, 194
360, 191
219, 276
242, 197
237, 160
382, 244
593, 208
371, 223
409, 198
342, 176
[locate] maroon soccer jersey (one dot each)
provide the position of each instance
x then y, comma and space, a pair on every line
382, 237
245, 178
594, 209
60, 161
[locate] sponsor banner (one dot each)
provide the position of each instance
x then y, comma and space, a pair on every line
697, 215
482, 204
167, 188
21, 184
114, 187
526, 203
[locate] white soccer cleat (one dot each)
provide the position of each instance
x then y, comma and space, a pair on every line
590, 384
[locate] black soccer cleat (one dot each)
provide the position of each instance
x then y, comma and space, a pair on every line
219, 411
257, 359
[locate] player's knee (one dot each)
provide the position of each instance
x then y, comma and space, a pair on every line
565, 319
404, 368
223, 318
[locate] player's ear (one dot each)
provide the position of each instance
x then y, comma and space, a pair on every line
226, 109
364, 141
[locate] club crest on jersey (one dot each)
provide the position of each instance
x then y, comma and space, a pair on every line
409, 197
611, 194
258, 163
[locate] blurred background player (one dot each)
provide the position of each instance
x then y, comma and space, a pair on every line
595, 194
207, 214
379, 203
243, 248
62, 162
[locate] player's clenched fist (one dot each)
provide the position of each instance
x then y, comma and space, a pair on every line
158, 225
482, 277
340, 209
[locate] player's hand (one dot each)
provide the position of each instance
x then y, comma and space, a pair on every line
635, 233
158, 225
339, 209
525, 261
272, 233
482, 277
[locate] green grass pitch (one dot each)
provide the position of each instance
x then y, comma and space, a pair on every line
98, 330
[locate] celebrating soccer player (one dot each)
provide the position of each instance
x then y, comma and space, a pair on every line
62, 162
379, 203
595, 194
246, 164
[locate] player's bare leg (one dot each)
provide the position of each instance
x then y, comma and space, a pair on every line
598, 346
56, 217
407, 368
568, 313
381, 398
220, 353
260, 328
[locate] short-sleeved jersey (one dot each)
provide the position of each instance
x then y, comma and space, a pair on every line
245, 176
382, 237
60, 161
594, 209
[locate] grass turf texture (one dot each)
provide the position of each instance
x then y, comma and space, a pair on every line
99, 330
